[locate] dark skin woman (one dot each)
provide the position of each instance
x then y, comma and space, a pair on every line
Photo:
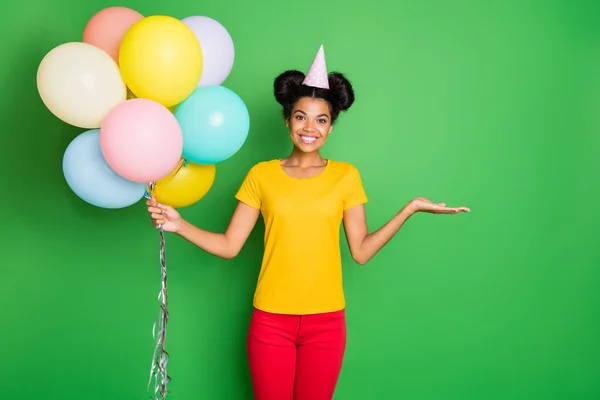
297, 332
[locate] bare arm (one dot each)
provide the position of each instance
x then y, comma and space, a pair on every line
364, 245
225, 245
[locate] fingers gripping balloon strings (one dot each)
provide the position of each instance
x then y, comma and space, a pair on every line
160, 358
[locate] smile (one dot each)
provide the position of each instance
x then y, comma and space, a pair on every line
307, 139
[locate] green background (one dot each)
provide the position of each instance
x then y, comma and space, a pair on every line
493, 105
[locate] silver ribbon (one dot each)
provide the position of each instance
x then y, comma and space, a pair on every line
160, 358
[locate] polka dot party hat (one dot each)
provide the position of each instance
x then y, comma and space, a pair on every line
317, 74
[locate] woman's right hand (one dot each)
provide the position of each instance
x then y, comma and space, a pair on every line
164, 215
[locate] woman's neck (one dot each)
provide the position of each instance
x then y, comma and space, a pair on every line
305, 160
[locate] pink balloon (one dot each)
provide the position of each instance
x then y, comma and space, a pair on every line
107, 27
141, 140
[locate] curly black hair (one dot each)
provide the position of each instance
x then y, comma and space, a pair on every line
288, 89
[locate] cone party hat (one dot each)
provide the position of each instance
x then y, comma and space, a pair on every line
317, 74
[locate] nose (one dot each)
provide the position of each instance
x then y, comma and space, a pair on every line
309, 126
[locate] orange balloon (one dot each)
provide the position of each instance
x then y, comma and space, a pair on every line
107, 27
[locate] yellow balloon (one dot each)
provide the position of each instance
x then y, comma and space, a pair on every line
80, 84
130, 96
161, 60
186, 185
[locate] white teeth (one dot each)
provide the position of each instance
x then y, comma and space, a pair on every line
308, 139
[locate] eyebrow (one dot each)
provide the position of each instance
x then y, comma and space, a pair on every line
320, 115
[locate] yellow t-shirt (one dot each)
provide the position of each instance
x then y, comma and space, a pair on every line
301, 271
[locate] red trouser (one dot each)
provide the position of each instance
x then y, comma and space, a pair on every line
296, 357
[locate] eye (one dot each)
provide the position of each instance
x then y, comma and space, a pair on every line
299, 117
323, 121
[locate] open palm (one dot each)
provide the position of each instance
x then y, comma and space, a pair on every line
421, 204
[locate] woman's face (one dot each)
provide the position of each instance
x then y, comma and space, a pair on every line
309, 124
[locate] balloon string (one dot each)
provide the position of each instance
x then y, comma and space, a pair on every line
160, 358
149, 189
182, 163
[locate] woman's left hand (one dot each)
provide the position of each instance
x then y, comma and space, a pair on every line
421, 204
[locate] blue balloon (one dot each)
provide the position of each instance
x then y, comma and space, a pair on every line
215, 123
90, 177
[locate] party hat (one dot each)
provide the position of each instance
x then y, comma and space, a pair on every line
317, 74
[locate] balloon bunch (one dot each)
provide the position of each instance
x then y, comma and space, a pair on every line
149, 92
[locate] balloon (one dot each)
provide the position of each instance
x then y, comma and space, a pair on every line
80, 84
141, 140
215, 124
130, 95
161, 60
107, 27
90, 177
186, 185
217, 49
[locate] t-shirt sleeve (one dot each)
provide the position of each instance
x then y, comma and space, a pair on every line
356, 192
249, 191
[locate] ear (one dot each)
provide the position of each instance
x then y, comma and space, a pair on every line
287, 123
330, 129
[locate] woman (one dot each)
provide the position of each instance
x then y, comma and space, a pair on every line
297, 332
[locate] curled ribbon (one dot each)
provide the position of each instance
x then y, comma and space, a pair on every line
160, 358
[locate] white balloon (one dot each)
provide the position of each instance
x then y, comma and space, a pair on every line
80, 83
218, 52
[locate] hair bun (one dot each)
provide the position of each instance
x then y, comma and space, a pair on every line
342, 93
286, 85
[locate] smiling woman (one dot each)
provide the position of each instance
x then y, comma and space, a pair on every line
310, 122
310, 112
297, 334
